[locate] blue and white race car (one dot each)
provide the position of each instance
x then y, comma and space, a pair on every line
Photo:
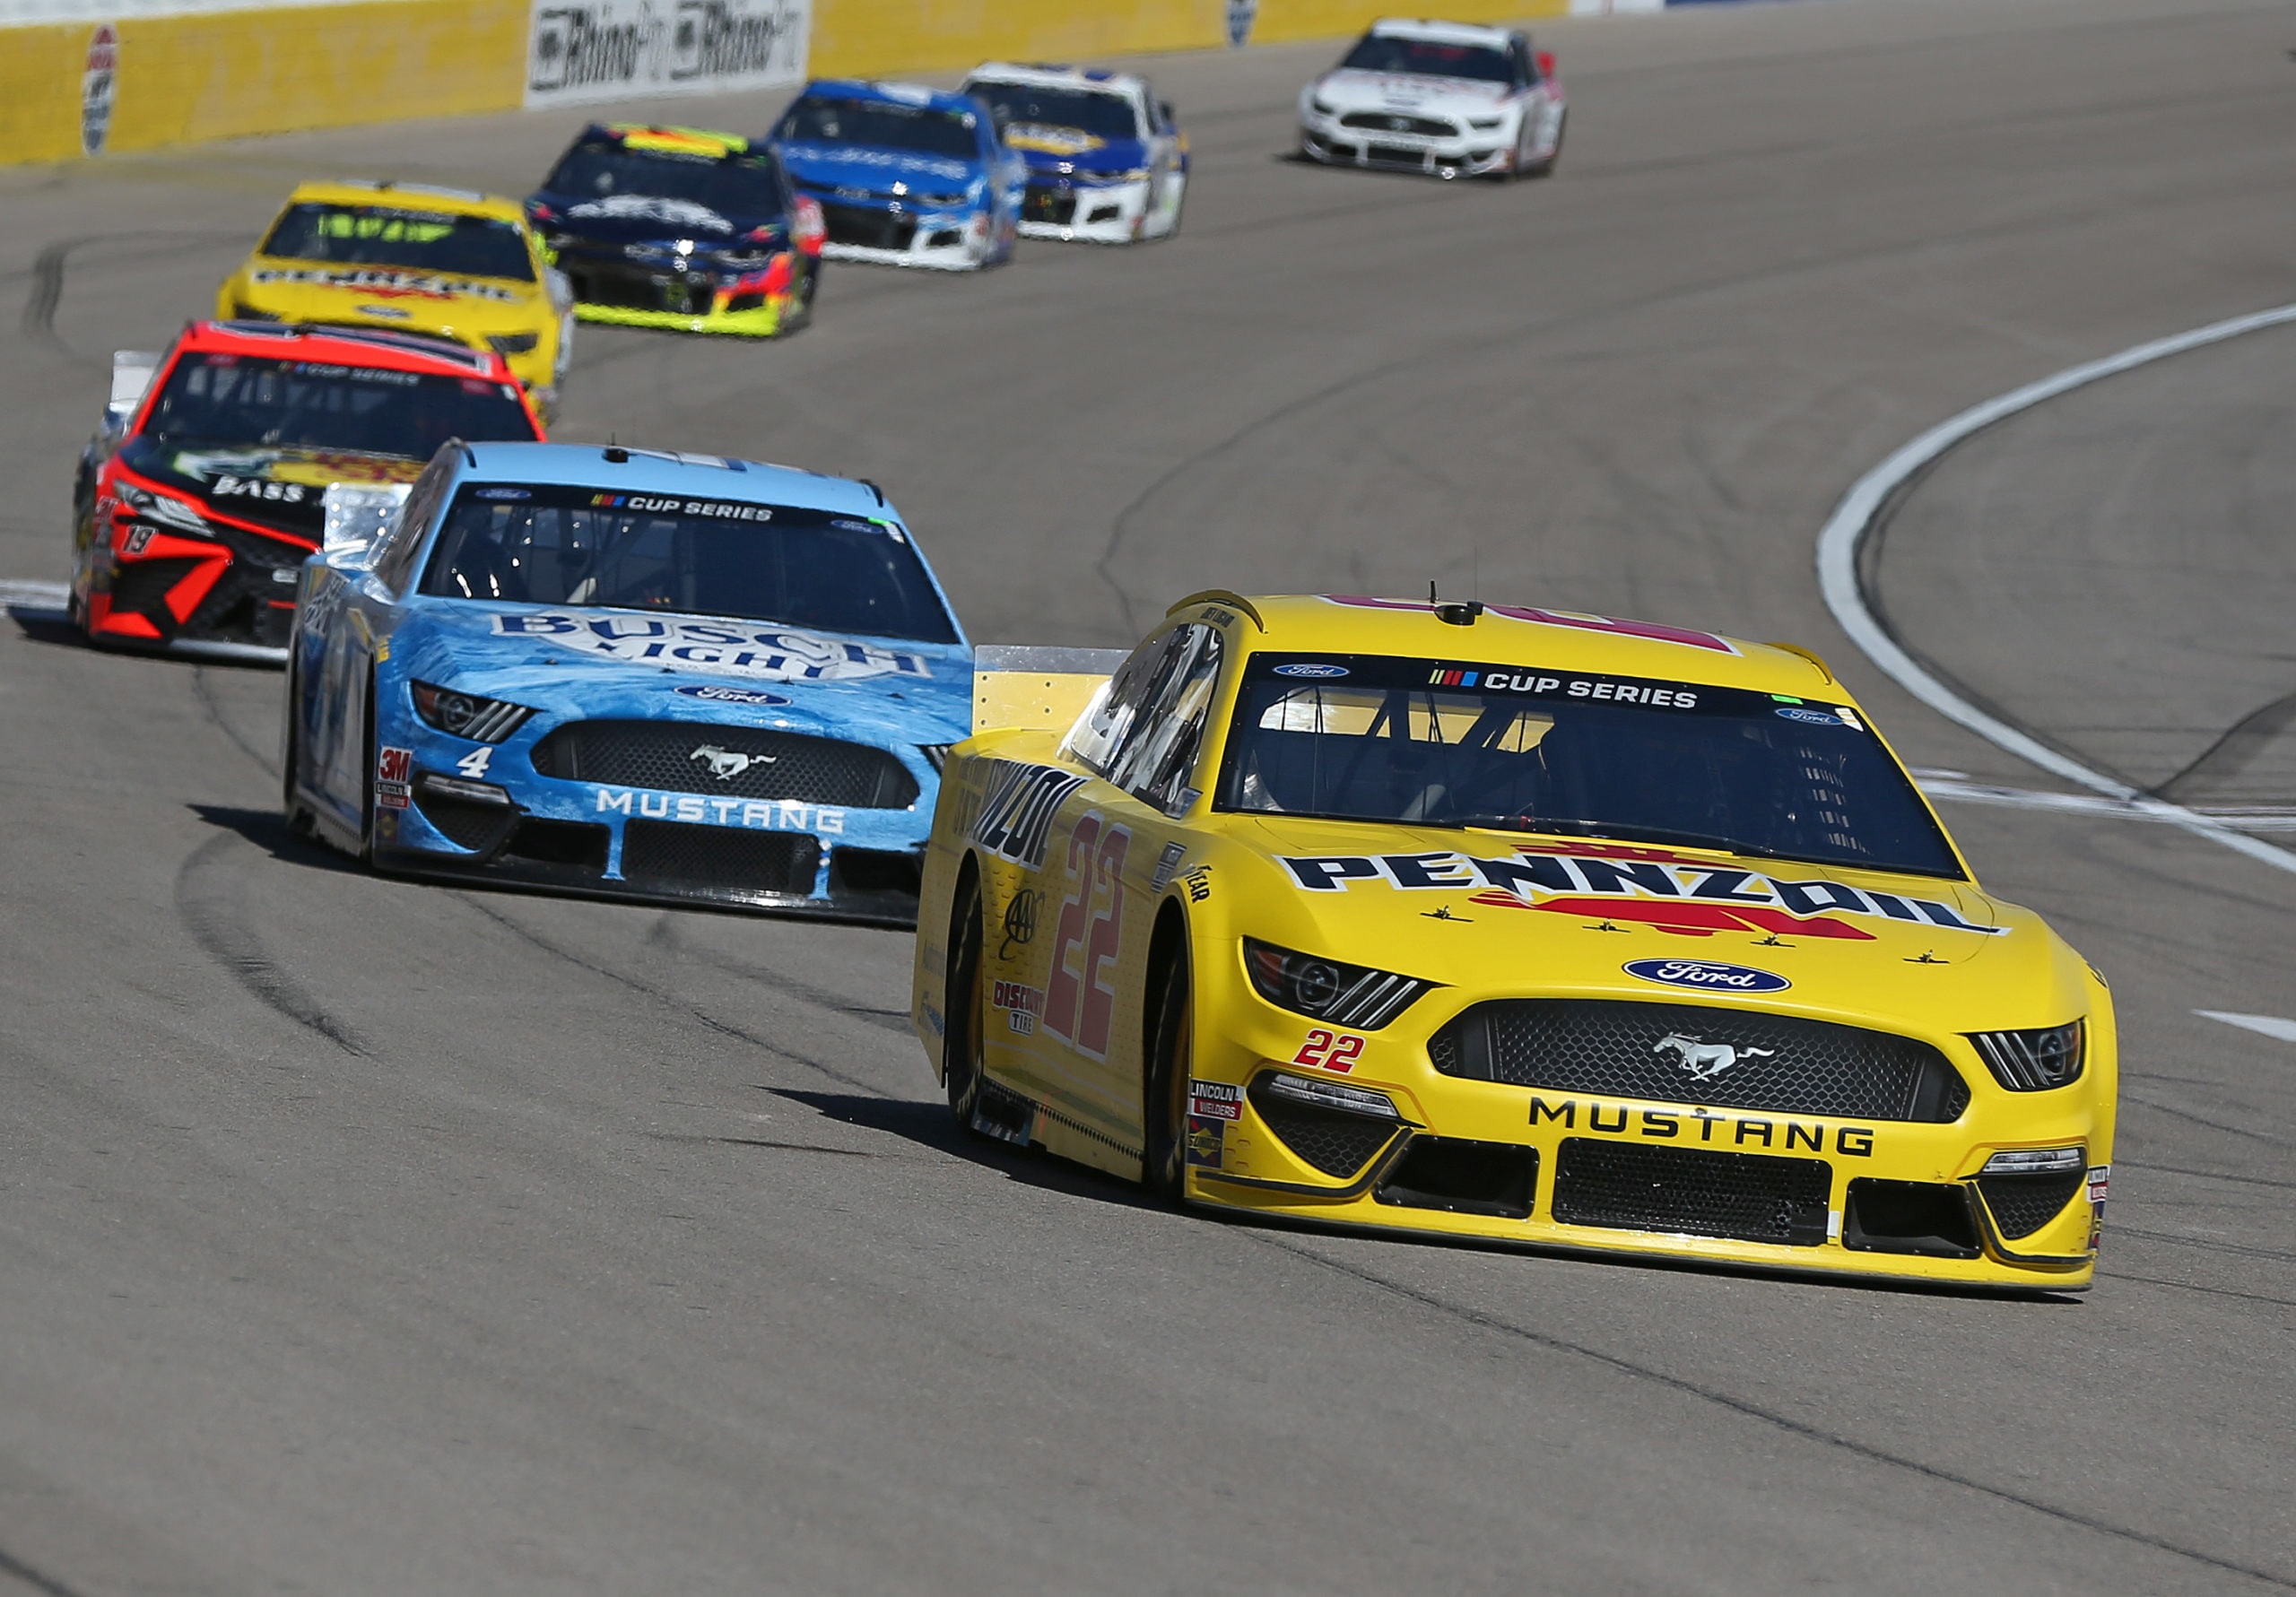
905, 177
614, 672
1106, 164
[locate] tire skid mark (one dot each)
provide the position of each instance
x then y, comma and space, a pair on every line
683, 1006
209, 902
17, 1569
39, 319
665, 936
2158, 1108
2158, 1281
1771, 1417
2272, 1255
203, 688
2130, 1164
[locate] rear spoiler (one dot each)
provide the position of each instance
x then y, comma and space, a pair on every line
1019, 686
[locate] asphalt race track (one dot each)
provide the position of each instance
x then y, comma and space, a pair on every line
364, 1237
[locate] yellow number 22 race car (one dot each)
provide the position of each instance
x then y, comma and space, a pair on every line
465, 266
1509, 923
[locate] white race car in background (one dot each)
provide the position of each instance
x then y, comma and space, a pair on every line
1106, 163
1445, 98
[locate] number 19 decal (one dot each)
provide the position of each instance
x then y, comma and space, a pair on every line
1079, 1004
1330, 1051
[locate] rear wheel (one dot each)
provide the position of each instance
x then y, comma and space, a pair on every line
1166, 1085
963, 1044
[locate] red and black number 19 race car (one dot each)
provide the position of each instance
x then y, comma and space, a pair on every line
200, 498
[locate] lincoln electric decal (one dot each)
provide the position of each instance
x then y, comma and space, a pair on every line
1673, 892
722, 648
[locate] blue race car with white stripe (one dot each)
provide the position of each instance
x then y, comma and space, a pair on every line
1106, 163
904, 176
609, 671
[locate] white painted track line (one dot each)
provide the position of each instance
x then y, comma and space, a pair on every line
2265, 1025
1852, 519
34, 598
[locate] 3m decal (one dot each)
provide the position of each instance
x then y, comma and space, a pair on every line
1330, 1051
1677, 893
1016, 810
1723, 1130
1707, 975
1166, 864
778, 815
1215, 1101
1080, 1004
394, 769
1023, 1004
724, 648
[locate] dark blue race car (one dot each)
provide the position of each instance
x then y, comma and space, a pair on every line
906, 177
615, 671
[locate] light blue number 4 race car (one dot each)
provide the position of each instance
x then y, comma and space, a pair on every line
609, 671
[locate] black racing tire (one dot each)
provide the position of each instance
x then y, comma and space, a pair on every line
964, 1035
1545, 169
1165, 1081
367, 784
300, 819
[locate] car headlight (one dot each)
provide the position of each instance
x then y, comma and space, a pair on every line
2034, 1061
513, 343
1137, 175
1326, 990
465, 715
940, 199
1319, 107
1485, 122
2037, 1161
178, 515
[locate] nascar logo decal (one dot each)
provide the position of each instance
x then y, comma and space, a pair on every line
1673, 892
724, 649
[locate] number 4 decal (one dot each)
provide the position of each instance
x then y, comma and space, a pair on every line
473, 764
1079, 1004
1332, 1052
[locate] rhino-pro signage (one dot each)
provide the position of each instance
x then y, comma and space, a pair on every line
581, 51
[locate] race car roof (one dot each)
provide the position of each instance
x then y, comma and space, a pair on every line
413, 196
1438, 32
906, 94
1512, 634
616, 469
380, 347
670, 141
1051, 75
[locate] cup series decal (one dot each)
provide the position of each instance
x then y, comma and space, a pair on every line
1678, 892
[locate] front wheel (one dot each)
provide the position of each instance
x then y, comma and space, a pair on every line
964, 1045
1166, 1086
1547, 167
290, 759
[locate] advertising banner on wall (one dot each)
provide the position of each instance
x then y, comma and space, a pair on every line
582, 50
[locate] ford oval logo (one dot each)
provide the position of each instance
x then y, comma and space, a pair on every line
1302, 668
1708, 976
717, 695
1813, 717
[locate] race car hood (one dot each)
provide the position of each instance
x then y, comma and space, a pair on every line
464, 308
829, 167
578, 662
1588, 918
278, 487
1400, 91
623, 219
1068, 151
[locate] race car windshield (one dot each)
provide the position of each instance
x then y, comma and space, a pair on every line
883, 127
741, 186
244, 400
382, 236
1102, 115
611, 551
1426, 58
1442, 744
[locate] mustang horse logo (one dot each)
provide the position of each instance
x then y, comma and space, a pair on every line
1705, 1060
726, 764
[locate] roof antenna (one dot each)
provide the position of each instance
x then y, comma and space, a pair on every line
615, 455
1455, 613
1430, 590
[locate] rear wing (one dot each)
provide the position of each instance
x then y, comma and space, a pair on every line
1019, 686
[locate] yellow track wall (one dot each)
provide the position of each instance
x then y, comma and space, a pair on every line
222, 74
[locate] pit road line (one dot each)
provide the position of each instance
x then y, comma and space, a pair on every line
1860, 511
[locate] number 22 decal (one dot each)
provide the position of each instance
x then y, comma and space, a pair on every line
1330, 1052
1078, 1005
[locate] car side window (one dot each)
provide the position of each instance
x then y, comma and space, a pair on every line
1114, 723
394, 561
1519, 53
1155, 766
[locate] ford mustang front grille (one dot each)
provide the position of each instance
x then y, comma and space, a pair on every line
1685, 1054
868, 227
1750, 1197
727, 762
1425, 127
729, 860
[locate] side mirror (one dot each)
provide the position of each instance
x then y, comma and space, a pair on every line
1545, 60
131, 379
1164, 113
359, 515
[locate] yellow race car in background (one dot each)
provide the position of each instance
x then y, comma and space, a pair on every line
462, 265
1506, 923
